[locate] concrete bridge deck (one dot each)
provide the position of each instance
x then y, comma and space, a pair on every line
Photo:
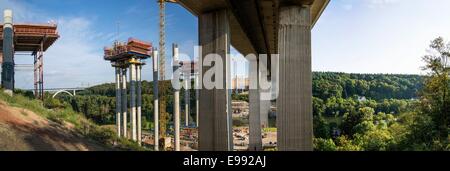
254, 23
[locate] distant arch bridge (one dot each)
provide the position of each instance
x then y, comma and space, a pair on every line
58, 91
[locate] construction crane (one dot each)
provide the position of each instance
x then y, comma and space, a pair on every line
162, 37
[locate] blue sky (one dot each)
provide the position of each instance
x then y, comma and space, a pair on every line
358, 36
378, 36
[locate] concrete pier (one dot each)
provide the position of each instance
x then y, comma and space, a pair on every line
215, 128
177, 119
124, 103
255, 138
139, 103
187, 82
176, 104
133, 101
8, 53
266, 92
252, 27
264, 110
118, 101
294, 114
125, 56
155, 99
196, 100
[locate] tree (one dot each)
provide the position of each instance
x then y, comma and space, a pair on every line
435, 97
358, 121
375, 140
321, 127
324, 145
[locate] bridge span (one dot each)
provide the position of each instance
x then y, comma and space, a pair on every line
57, 91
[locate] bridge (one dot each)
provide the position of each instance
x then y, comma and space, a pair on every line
57, 91
259, 27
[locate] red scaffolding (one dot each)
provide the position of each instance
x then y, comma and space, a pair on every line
36, 39
122, 51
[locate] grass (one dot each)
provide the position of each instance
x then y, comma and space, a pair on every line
238, 122
82, 125
270, 129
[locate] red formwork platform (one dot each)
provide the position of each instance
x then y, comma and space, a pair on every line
134, 48
28, 37
36, 39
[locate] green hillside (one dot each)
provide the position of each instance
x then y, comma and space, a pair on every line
28, 124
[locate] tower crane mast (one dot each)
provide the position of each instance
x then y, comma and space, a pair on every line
162, 37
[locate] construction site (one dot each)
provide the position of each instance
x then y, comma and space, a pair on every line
194, 84
252, 27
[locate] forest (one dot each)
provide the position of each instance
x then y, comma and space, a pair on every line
352, 112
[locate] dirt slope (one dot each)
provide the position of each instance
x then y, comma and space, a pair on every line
23, 130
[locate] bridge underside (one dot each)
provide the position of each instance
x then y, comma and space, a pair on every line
254, 23
258, 27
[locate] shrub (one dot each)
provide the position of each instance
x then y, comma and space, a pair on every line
324, 144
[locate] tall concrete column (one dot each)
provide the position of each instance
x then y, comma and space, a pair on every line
255, 138
139, 103
8, 53
265, 91
133, 101
215, 129
118, 101
187, 82
176, 103
124, 103
197, 100
294, 114
265, 109
155, 100
177, 119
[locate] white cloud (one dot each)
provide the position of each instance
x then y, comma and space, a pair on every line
22, 12
77, 56
380, 3
347, 7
